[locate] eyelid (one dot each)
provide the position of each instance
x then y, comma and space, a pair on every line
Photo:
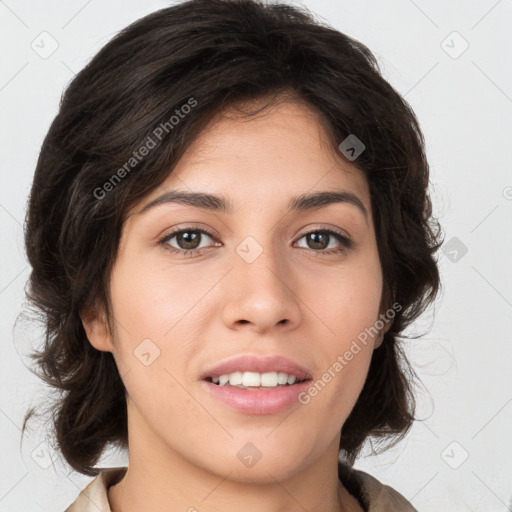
190, 227
321, 227
345, 241
214, 234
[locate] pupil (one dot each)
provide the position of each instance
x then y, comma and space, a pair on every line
315, 237
186, 235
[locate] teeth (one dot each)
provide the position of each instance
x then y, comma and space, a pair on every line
236, 378
250, 379
255, 379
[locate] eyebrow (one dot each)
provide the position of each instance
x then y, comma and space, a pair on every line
218, 203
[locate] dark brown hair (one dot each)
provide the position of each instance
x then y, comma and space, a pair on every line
216, 53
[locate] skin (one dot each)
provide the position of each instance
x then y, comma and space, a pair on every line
203, 309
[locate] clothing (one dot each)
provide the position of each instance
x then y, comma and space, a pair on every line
371, 494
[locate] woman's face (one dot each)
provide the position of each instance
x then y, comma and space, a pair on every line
265, 281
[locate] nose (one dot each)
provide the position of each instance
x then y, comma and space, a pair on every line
261, 294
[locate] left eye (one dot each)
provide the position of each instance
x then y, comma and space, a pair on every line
188, 240
320, 237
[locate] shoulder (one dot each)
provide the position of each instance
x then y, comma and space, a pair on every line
94, 497
373, 495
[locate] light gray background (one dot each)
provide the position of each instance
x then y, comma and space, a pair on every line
464, 104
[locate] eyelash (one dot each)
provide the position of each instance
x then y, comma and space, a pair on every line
346, 242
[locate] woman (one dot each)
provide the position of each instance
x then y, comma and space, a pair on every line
229, 227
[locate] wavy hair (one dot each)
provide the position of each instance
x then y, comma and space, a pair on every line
220, 53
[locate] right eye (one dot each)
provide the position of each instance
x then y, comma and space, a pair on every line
188, 238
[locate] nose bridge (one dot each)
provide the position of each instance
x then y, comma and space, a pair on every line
258, 254
259, 289
260, 265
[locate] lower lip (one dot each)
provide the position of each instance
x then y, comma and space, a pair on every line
265, 401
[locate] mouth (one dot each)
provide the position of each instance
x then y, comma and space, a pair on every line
254, 381
257, 400
255, 384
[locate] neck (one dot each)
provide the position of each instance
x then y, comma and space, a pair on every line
160, 479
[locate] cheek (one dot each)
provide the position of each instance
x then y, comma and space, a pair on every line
348, 305
347, 299
157, 324
150, 300
150, 317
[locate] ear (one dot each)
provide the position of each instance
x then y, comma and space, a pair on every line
97, 331
384, 330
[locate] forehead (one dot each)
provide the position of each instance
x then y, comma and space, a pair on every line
290, 129
279, 153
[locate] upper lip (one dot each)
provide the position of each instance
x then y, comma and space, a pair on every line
260, 364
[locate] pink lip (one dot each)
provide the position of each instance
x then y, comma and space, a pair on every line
260, 364
256, 401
